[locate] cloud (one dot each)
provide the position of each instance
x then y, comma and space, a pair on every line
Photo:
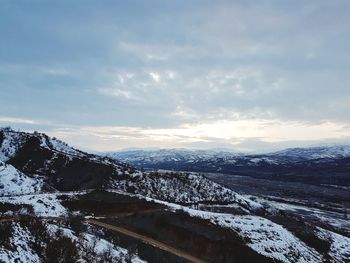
180, 74
115, 92
155, 76
237, 133
10, 120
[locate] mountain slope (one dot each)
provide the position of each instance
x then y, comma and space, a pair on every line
42, 177
182, 188
64, 168
14, 182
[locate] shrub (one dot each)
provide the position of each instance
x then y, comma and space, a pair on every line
5, 233
41, 237
61, 250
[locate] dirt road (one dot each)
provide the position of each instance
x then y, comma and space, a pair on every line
147, 240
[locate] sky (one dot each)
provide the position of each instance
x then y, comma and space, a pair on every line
240, 75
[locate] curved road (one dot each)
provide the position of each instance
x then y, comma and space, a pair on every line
147, 240
144, 239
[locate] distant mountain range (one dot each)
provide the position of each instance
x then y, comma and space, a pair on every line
312, 153
45, 183
317, 165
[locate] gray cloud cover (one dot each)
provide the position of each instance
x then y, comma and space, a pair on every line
150, 72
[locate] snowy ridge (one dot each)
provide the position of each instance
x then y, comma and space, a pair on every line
181, 188
37, 154
59, 146
13, 140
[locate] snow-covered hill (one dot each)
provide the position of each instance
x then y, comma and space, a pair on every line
182, 188
35, 162
38, 174
60, 166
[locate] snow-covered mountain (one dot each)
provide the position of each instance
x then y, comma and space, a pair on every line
45, 184
61, 167
169, 155
321, 162
141, 157
34, 162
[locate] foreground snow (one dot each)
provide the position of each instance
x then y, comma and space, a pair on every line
340, 245
262, 235
45, 205
270, 239
14, 182
22, 252
100, 245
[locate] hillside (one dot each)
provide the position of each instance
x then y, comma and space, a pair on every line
38, 163
57, 201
